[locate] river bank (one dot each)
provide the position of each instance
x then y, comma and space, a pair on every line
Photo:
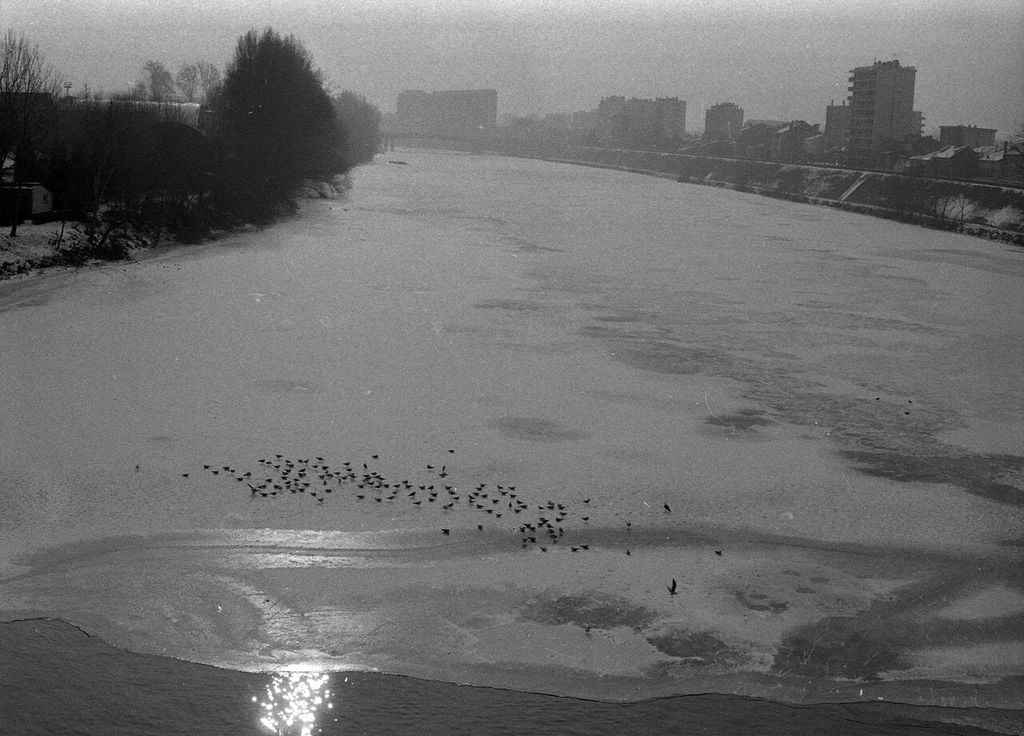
34, 247
985, 210
51, 245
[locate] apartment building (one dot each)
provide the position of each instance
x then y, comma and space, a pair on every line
639, 121
837, 123
881, 105
967, 135
723, 122
449, 113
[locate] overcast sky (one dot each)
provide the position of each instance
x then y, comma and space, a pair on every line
776, 59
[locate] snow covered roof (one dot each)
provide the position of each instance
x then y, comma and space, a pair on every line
996, 153
946, 152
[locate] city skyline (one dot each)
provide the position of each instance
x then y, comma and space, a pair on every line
777, 60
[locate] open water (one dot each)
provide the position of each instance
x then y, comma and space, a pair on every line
57, 680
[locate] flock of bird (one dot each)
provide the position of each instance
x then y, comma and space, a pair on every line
541, 526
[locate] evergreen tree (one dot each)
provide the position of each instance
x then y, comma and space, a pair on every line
277, 126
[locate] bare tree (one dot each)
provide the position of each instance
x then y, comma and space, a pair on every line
29, 89
139, 92
209, 78
187, 80
161, 83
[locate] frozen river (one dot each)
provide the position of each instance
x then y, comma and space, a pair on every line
809, 423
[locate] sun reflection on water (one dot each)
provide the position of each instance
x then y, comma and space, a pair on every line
292, 702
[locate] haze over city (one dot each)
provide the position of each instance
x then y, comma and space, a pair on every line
778, 60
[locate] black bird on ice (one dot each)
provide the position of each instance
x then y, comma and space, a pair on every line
672, 588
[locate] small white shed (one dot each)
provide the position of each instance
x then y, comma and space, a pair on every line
24, 201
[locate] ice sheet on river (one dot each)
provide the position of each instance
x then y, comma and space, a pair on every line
830, 401
753, 614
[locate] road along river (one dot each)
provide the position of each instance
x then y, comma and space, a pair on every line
543, 427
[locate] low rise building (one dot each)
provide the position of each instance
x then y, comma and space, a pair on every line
754, 141
1001, 163
958, 162
787, 143
814, 147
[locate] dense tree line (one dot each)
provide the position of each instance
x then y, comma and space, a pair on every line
143, 163
361, 124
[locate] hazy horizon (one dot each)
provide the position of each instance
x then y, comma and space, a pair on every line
776, 60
